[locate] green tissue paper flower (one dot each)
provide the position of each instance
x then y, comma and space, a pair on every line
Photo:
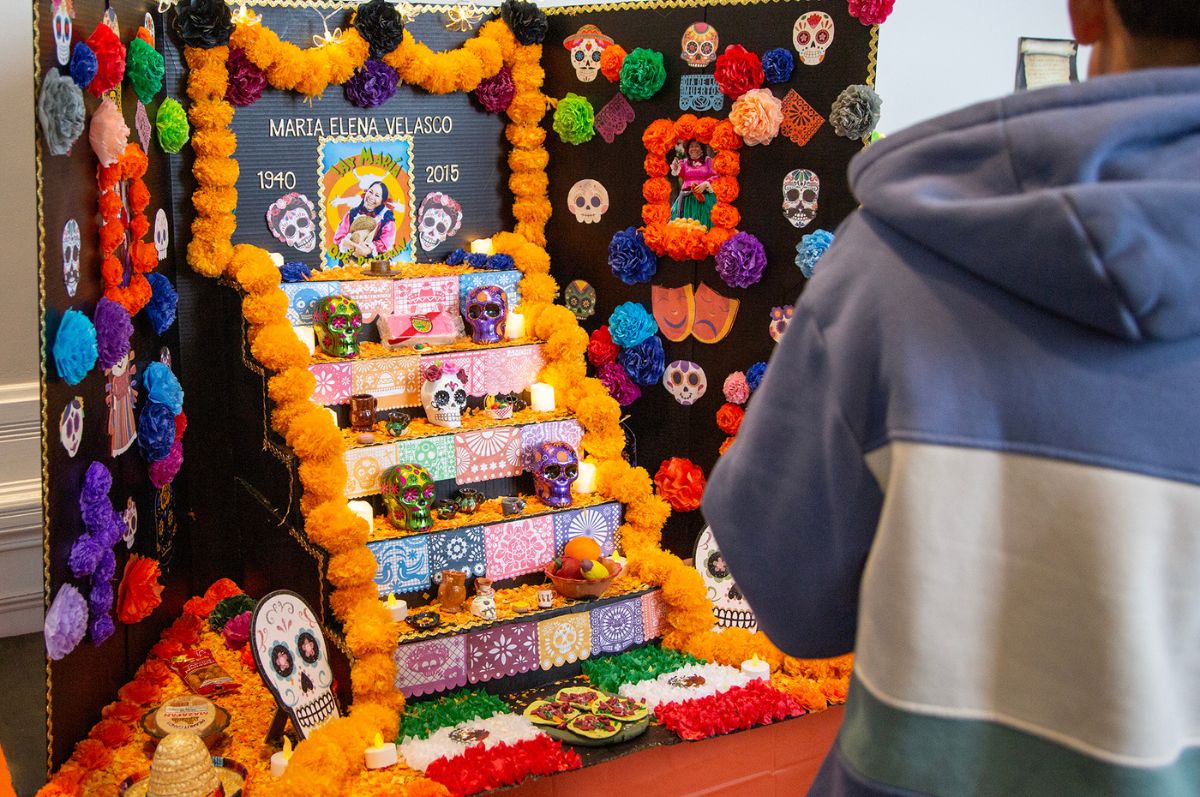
144, 66
610, 673
573, 119
229, 608
642, 74
421, 720
173, 130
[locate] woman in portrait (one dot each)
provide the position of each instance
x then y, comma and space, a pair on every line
369, 229
694, 168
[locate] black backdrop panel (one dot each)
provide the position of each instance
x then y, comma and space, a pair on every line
662, 427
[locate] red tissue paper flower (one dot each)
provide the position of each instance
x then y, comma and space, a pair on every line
871, 12
742, 707
110, 59
729, 419
601, 348
140, 593
738, 70
681, 483
480, 769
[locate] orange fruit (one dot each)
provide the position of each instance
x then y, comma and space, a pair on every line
581, 548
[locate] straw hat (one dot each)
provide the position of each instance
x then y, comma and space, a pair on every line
182, 767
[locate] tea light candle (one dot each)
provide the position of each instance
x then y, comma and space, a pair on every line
304, 332
514, 326
541, 397
365, 511
757, 668
279, 761
482, 246
586, 483
380, 755
397, 609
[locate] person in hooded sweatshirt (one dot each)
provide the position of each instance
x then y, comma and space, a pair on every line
975, 456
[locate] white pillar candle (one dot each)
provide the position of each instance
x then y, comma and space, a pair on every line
365, 511
332, 414
397, 609
279, 761
586, 483
482, 246
541, 397
757, 668
381, 756
514, 326
304, 333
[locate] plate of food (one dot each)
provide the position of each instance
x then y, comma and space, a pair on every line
589, 717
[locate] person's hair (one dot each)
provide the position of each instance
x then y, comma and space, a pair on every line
1161, 19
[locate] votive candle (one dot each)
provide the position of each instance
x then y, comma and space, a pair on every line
304, 333
514, 326
541, 397
585, 484
381, 755
365, 511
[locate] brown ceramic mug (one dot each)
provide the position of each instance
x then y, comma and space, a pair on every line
362, 412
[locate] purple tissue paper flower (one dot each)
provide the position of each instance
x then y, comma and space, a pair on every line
163, 471
618, 384
741, 261
246, 81
496, 93
372, 85
85, 556
66, 622
113, 330
237, 631
102, 627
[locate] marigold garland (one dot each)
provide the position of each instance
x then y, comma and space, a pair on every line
129, 168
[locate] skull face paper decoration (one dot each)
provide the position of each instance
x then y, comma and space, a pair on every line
130, 518
801, 188
555, 467
290, 655
70, 426
588, 201
587, 45
292, 220
812, 35
780, 318
700, 42
730, 608
444, 394
438, 218
337, 320
685, 381
408, 495
486, 310
580, 299
70, 256
160, 233
62, 31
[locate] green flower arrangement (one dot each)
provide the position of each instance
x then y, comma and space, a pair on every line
642, 74
173, 130
573, 119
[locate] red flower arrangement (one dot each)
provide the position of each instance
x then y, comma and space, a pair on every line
601, 348
871, 12
729, 418
680, 482
739, 708
110, 59
140, 593
480, 769
737, 71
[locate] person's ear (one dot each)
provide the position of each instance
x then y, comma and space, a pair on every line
1089, 22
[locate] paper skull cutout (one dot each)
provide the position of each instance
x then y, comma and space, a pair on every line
337, 321
801, 188
164, 356
292, 219
290, 655
812, 35
685, 380
587, 201
70, 426
62, 31
408, 494
580, 299
70, 255
148, 24
444, 394
130, 517
587, 45
730, 608
486, 311
438, 218
555, 467
780, 318
700, 42
160, 233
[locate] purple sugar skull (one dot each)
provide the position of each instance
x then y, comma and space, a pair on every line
554, 466
486, 310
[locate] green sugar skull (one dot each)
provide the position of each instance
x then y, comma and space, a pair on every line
337, 321
580, 298
408, 494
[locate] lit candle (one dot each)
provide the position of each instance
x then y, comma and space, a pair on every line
541, 397
380, 755
586, 483
514, 326
482, 246
304, 332
365, 511
279, 761
397, 609
757, 668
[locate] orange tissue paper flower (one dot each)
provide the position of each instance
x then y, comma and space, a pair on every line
681, 482
140, 593
729, 418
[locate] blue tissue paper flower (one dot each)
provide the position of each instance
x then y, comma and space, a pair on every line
500, 262
629, 258
156, 430
457, 257
162, 387
162, 304
644, 362
777, 65
477, 260
810, 249
295, 271
754, 375
630, 324
74, 348
83, 65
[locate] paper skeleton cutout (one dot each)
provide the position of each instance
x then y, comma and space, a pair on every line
438, 218
444, 394
700, 42
801, 188
70, 255
160, 233
587, 45
290, 655
62, 31
293, 220
781, 317
730, 608
121, 396
580, 299
685, 380
587, 201
812, 35
130, 517
70, 426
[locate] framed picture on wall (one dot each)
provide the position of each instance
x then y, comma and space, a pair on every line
1046, 62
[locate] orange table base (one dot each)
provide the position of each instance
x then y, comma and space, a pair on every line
773, 760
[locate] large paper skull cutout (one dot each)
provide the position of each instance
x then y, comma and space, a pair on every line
587, 201
290, 655
293, 220
130, 518
700, 42
70, 255
580, 298
444, 394
555, 467
438, 218
730, 608
160, 233
337, 320
781, 317
811, 35
408, 495
801, 188
62, 31
586, 45
70, 426
685, 381
486, 311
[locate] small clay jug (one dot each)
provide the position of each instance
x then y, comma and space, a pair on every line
453, 591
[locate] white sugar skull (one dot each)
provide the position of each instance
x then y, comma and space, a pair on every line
587, 45
811, 35
588, 201
781, 317
130, 517
801, 188
62, 31
292, 220
70, 426
444, 394
685, 381
290, 654
730, 608
700, 42
438, 218
160, 233
70, 256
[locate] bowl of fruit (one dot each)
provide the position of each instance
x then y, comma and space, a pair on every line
582, 571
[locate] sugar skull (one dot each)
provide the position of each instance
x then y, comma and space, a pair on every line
555, 467
700, 42
291, 657
337, 320
801, 188
70, 426
438, 218
486, 310
130, 518
587, 201
62, 30
70, 255
811, 35
292, 220
444, 394
730, 608
587, 45
580, 299
780, 318
408, 496
685, 381
160, 233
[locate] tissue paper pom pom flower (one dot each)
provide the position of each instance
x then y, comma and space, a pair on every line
573, 119
500, 262
74, 347
108, 133
855, 112
162, 304
630, 324
611, 62
295, 271
754, 375
871, 12
162, 387
246, 81
156, 430
737, 71
601, 348
144, 66
457, 257
680, 482
60, 112
736, 390
236, 632
526, 21
203, 23
172, 126
729, 418
741, 260
629, 258
113, 331
163, 471
66, 622
644, 362
372, 85
229, 608
140, 593
110, 60
642, 74
101, 627
777, 65
618, 384
496, 93
379, 23
83, 65
756, 116
810, 249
